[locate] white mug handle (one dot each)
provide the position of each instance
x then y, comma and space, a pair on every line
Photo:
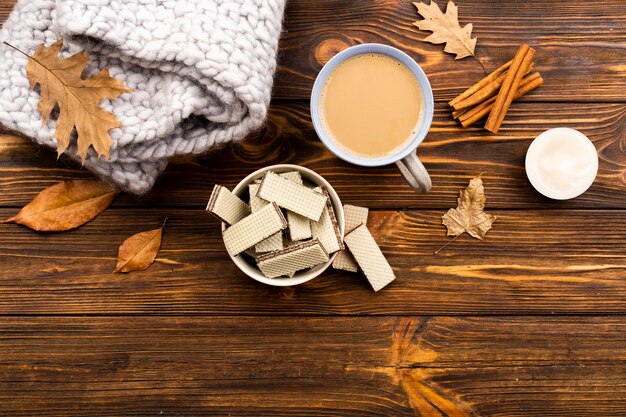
414, 173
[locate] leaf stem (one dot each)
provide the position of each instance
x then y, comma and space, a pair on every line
449, 241
37, 61
481, 63
17, 49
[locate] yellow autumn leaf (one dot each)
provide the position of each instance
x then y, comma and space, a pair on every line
66, 205
139, 251
469, 216
78, 99
446, 29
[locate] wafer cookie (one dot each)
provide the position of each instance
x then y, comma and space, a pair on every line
326, 230
226, 206
251, 253
354, 216
274, 242
299, 226
294, 258
292, 196
369, 257
256, 203
253, 229
291, 176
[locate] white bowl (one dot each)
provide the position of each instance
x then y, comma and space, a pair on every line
247, 265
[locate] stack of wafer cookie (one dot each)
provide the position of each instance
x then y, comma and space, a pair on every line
287, 226
361, 250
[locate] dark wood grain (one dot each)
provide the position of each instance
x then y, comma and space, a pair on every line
579, 44
451, 154
489, 328
5, 8
531, 262
406, 366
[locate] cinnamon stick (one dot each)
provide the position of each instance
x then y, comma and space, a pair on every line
521, 62
457, 113
529, 83
485, 92
480, 84
481, 95
465, 113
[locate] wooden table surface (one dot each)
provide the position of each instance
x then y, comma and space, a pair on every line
530, 322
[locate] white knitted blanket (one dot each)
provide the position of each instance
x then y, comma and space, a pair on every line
201, 71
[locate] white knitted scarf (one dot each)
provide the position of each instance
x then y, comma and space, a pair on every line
201, 71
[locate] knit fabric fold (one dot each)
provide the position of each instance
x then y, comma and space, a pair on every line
201, 71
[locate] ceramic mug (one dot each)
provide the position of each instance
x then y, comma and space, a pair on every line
405, 158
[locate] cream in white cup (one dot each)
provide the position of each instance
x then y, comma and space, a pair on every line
561, 163
404, 157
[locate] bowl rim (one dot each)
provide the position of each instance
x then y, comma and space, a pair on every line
300, 277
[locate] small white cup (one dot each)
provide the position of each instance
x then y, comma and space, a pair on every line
405, 158
247, 265
533, 157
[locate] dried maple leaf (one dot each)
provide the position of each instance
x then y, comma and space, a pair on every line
469, 215
139, 251
78, 99
446, 29
65, 206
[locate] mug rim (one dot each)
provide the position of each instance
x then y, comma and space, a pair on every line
408, 62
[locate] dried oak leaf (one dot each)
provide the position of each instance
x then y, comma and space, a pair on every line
78, 99
65, 206
139, 251
469, 215
446, 29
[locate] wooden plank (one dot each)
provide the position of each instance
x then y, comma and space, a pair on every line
5, 8
532, 262
452, 155
578, 43
378, 366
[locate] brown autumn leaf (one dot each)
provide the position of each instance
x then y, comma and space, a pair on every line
139, 251
65, 205
469, 215
446, 29
78, 99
